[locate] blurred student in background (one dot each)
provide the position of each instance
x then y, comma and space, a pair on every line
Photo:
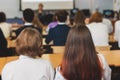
52, 24
80, 60
4, 50
28, 17
117, 32
98, 29
59, 33
27, 67
109, 25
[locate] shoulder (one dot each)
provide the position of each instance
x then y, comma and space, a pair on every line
58, 75
102, 60
10, 65
117, 22
44, 62
106, 20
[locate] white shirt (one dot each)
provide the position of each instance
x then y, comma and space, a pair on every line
109, 24
26, 68
117, 32
106, 72
6, 29
99, 33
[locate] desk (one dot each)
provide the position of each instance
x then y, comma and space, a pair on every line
11, 43
112, 57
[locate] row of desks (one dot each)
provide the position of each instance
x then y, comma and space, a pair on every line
112, 57
11, 43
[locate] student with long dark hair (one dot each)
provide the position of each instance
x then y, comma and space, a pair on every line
80, 60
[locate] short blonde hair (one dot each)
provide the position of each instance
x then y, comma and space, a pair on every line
29, 43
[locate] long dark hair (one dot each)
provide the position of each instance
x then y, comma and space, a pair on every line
79, 18
80, 60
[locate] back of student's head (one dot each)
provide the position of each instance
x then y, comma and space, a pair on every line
29, 43
2, 17
80, 60
79, 18
28, 15
96, 17
62, 15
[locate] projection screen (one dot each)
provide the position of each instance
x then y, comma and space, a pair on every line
48, 4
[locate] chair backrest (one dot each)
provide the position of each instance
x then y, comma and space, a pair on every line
58, 49
102, 48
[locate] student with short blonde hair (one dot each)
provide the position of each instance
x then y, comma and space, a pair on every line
27, 67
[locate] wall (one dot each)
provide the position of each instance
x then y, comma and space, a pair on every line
116, 5
11, 7
93, 4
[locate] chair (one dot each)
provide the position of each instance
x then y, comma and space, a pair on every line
58, 49
103, 48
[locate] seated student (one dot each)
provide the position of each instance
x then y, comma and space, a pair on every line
53, 24
98, 29
28, 67
5, 27
109, 24
117, 32
59, 33
28, 16
4, 51
80, 60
